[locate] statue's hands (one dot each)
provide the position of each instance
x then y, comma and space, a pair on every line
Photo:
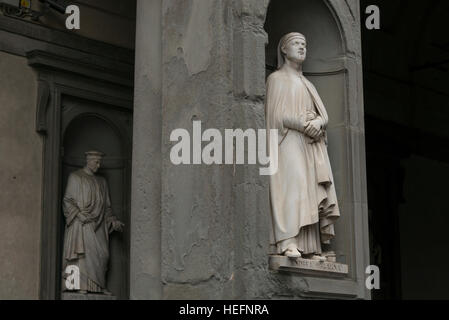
313, 129
298, 124
302, 123
82, 216
117, 225
310, 115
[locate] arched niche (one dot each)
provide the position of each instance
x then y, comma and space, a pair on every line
94, 133
327, 68
315, 20
84, 131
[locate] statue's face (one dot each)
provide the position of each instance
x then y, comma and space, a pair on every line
94, 164
295, 50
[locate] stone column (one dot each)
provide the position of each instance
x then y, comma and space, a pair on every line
145, 257
197, 215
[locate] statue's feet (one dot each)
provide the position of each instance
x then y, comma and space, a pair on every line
319, 258
292, 252
315, 257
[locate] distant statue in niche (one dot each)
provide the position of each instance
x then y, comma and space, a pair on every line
89, 221
303, 199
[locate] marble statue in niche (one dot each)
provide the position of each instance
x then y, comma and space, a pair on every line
303, 199
89, 221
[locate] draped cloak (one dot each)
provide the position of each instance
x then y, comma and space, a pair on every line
302, 191
87, 246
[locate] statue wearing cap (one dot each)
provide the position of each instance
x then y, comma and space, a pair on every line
89, 221
303, 199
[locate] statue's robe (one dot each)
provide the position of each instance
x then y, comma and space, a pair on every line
303, 199
87, 246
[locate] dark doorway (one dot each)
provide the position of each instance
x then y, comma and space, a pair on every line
406, 66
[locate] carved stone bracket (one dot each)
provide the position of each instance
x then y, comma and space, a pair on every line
42, 106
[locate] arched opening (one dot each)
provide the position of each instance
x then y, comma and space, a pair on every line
313, 19
92, 132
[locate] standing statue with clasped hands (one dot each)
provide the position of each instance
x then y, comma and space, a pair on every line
303, 199
89, 221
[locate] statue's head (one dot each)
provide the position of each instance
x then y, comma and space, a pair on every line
93, 160
292, 47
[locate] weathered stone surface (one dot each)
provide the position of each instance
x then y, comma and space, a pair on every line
197, 214
21, 173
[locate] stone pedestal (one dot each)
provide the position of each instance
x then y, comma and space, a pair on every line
309, 267
89, 296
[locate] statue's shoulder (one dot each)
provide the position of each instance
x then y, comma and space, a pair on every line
276, 82
77, 174
305, 79
309, 84
275, 76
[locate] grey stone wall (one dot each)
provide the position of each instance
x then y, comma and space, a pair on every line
21, 181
